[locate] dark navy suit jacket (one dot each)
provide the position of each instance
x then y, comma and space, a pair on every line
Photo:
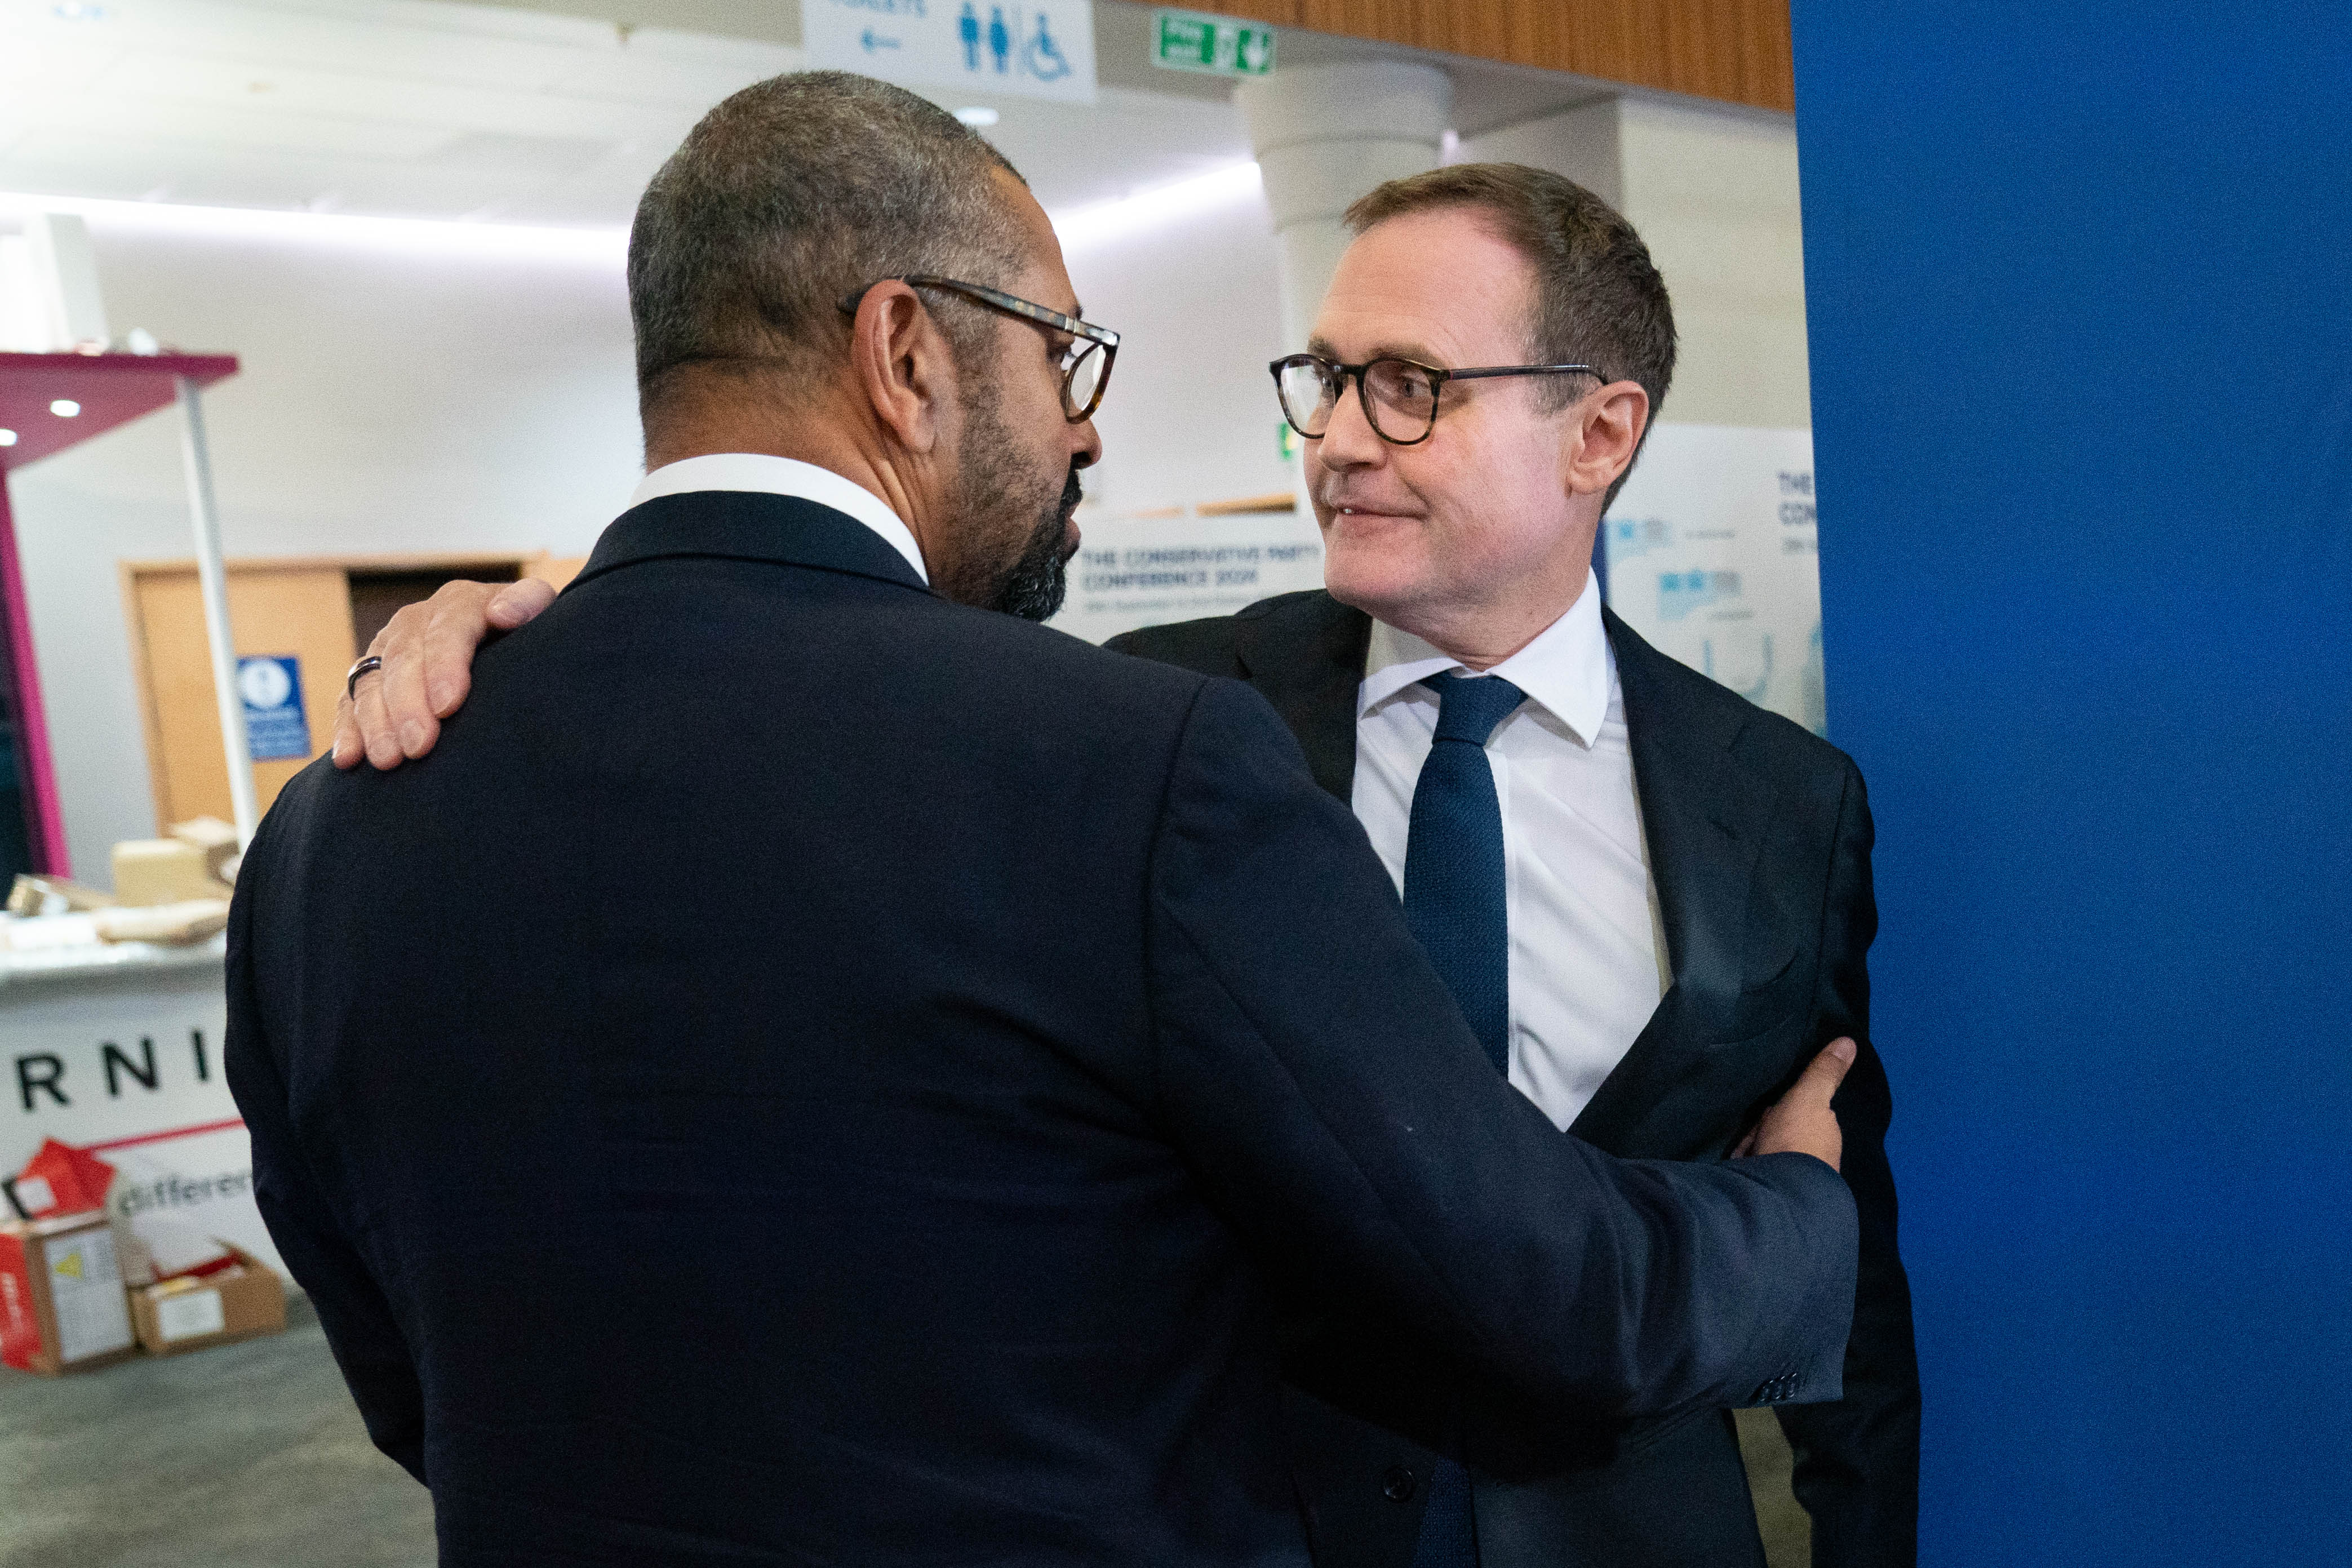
808, 1072
1759, 838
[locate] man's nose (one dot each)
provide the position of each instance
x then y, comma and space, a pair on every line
1087, 449
1349, 441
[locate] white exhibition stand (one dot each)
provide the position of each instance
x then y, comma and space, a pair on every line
116, 1048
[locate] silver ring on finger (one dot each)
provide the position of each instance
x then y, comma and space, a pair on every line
366, 666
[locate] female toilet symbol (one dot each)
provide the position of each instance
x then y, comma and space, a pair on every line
1042, 57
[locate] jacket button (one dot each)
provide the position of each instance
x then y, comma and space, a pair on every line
1397, 1484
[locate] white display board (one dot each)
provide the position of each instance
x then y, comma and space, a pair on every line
1713, 556
129, 1066
1147, 571
986, 49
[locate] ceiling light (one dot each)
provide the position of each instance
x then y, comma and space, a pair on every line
601, 248
65, 408
1149, 209
7, 438
978, 117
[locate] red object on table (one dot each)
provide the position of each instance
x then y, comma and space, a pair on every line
110, 389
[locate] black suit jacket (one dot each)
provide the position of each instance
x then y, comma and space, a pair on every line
808, 1072
1759, 840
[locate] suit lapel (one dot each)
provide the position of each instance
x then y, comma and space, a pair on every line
1704, 817
1307, 657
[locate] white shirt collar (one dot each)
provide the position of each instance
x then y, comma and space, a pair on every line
783, 476
1568, 668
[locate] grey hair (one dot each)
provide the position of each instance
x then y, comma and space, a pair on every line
793, 194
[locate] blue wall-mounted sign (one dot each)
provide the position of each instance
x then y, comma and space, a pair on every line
271, 686
985, 48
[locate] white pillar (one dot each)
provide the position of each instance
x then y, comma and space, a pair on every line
212, 580
1713, 191
1324, 135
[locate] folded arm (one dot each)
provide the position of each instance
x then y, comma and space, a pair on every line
1315, 1070
1857, 1469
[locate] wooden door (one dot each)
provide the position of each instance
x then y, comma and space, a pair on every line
298, 610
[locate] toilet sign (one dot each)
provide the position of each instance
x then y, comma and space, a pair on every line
984, 47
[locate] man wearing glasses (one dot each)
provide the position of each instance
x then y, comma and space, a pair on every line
814, 1070
1651, 899
987, 570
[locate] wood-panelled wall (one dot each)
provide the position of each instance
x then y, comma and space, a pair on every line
1733, 51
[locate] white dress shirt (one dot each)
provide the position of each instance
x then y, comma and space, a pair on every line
1587, 946
784, 477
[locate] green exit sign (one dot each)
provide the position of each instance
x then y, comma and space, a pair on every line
1182, 41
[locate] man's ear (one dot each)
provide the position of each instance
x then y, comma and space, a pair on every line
899, 365
1604, 430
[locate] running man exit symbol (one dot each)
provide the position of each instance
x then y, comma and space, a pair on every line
1184, 42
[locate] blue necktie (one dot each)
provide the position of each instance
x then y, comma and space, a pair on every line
1453, 857
1453, 905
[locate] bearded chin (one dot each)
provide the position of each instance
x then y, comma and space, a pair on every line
1035, 584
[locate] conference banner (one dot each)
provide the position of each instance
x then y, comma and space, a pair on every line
1712, 555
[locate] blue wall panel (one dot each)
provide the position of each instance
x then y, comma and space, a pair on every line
2079, 281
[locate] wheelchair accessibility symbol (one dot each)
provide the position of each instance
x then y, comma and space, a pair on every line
1041, 56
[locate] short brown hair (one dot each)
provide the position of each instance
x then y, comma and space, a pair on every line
1599, 299
792, 193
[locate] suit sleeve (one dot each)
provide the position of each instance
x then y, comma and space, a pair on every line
1317, 1073
1857, 1469
360, 1329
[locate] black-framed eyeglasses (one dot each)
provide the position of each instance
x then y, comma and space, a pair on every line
1400, 396
1085, 361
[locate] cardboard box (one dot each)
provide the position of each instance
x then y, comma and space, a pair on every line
169, 923
163, 870
62, 1306
200, 1311
216, 839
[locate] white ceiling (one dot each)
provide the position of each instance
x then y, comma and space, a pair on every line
420, 109
424, 109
